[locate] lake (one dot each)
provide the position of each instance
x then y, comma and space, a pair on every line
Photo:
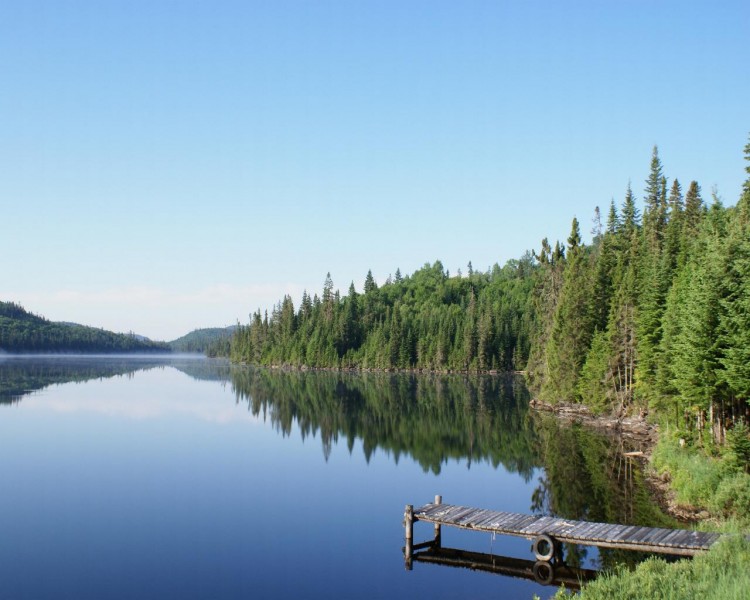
156, 477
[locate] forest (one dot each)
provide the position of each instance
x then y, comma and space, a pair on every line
22, 331
211, 341
652, 315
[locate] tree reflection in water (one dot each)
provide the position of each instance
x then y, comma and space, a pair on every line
431, 418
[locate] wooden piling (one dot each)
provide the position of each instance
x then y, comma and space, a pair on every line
438, 532
409, 536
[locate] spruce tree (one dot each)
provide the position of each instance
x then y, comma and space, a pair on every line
571, 328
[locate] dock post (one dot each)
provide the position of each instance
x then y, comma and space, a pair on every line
438, 533
409, 535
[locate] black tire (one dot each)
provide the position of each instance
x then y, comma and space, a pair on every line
543, 547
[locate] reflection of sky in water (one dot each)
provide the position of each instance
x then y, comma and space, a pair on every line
179, 396
160, 485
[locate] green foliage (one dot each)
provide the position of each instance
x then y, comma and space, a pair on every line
205, 341
715, 483
570, 332
732, 496
23, 332
424, 321
723, 573
594, 385
739, 444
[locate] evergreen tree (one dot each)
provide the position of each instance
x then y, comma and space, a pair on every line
370, 285
696, 348
613, 221
571, 329
629, 212
654, 216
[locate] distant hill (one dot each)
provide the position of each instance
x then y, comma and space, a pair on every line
209, 341
142, 338
22, 331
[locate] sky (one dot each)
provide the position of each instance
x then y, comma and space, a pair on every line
169, 165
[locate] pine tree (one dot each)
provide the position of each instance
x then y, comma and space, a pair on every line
613, 221
629, 214
694, 212
603, 270
673, 232
370, 285
735, 315
654, 216
571, 329
696, 347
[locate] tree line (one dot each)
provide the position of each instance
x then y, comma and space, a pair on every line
653, 314
428, 320
22, 331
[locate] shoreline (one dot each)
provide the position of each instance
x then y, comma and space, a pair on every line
415, 370
639, 431
642, 434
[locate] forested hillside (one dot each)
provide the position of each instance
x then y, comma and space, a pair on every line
653, 314
210, 340
21, 331
427, 320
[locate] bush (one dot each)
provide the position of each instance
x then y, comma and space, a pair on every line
695, 476
732, 497
739, 442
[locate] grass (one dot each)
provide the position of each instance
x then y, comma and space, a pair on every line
717, 483
723, 573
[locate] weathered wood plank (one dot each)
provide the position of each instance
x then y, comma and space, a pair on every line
485, 518
505, 521
625, 532
610, 533
468, 517
660, 536
541, 525
672, 538
593, 533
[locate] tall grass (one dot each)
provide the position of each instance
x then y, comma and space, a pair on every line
723, 573
718, 484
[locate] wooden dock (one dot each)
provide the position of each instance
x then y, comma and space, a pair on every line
548, 533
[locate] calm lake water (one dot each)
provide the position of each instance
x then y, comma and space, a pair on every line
133, 477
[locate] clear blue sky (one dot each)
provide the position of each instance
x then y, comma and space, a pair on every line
172, 165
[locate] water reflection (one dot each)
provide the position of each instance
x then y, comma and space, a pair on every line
554, 574
431, 419
23, 375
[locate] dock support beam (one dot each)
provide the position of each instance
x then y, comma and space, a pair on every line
409, 535
438, 533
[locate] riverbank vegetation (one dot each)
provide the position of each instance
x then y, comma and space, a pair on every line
720, 574
715, 480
